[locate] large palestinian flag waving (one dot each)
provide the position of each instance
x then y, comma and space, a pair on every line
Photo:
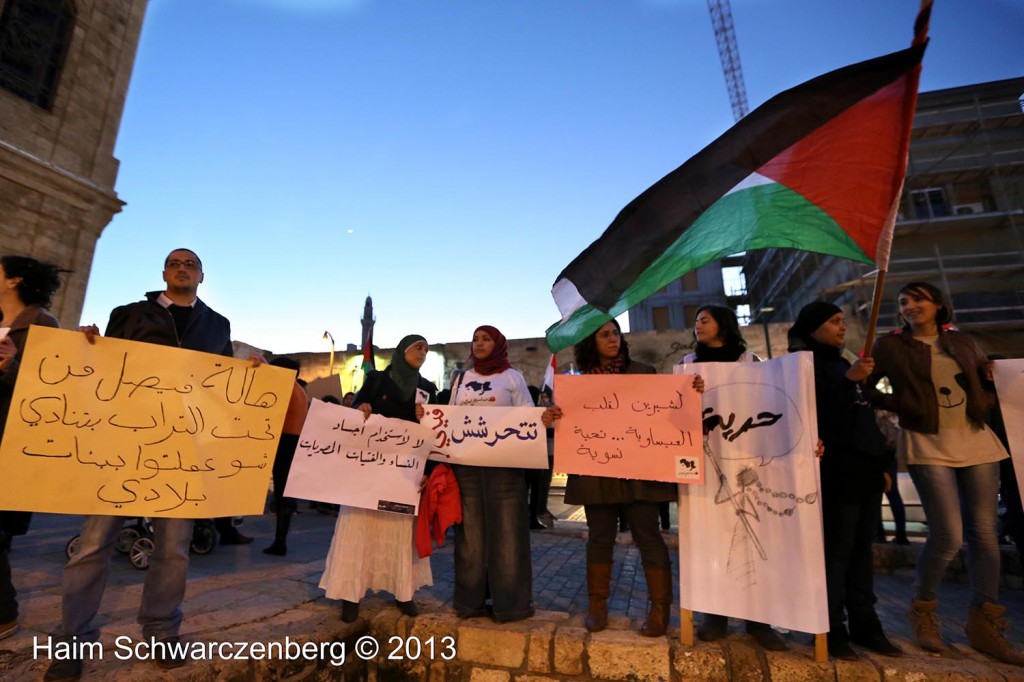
818, 168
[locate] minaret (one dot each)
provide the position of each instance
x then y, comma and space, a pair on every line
367, 323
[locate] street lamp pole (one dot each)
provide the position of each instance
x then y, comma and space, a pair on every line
330, 368
767, 336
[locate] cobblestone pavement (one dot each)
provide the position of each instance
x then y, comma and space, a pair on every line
236, 585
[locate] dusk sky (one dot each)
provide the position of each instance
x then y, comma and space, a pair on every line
447, 157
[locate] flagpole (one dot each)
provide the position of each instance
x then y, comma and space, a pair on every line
876, 305
885, 242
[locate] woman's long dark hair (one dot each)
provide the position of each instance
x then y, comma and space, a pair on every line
733, 342
931, 293
39, 280
587, 357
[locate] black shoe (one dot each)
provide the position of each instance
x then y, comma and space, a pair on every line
170, 656
839, 646
713, 628
535, 524
902, 540
276, 550
235, 539
64, 671
408, 608
349, 611
766, 637
876, 641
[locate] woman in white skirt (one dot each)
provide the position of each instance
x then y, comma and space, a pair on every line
375, 550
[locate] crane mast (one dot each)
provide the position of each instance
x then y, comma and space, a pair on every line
729, 54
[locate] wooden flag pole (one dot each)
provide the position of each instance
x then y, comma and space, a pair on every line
820, 648
685, 627
876, 305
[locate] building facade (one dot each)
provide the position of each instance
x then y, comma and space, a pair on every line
65, 66
960, 225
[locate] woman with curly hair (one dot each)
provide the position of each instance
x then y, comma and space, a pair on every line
27, 287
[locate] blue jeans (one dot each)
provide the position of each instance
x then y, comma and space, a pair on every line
85, 578
955, 500
492, 544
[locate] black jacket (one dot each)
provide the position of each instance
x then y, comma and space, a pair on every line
148, 321
855, 455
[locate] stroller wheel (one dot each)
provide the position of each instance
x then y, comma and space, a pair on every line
203, 539
71, 549
140, 552
125, 539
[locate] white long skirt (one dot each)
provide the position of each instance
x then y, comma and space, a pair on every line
374, 550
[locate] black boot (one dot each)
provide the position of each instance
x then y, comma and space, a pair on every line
407, 608
839, 644
765, 636
713, 627
866, 631
349, 611
280, 546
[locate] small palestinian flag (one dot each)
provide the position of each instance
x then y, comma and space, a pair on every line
818, 168
368, 364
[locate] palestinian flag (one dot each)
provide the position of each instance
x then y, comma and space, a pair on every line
818, 168
368, 364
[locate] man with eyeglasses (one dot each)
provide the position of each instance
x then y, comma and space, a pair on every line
173, 317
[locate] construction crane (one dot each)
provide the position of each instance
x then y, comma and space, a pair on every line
729, 54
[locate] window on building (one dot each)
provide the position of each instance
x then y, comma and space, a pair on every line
929, 203
691, 314
690, 281
34, 38
659, 316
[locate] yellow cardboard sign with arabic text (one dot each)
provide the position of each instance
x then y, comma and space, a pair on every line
136, 429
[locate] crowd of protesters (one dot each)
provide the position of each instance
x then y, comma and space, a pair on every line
953, 449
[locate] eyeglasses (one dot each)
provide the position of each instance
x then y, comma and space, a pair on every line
187, 264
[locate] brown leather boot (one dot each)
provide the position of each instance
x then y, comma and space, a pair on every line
659, 587
599, 578
926, 625
984, 631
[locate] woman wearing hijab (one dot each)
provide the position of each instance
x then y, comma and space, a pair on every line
492, 544
27, 287
374, 550
852, 480
606, 352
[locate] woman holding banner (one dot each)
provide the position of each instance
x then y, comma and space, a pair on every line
375, 550
492, 544
852, 480
718, 339
942, 392
27, 287
606, 352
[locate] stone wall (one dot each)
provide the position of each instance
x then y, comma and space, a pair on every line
57, 166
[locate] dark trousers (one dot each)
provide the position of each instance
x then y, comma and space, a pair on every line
282, 464
492, 544
642, 519
896, 506
8, 596
849, 527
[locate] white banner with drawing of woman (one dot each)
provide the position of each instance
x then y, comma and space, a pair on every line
750, 539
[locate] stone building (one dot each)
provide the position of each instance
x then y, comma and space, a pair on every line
65, 66
960, 225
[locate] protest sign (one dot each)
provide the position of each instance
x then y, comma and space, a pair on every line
750, 539
137, 429
1009, 377
635, 426
487, 436
373, 463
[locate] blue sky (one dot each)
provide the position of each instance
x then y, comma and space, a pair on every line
447, 157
